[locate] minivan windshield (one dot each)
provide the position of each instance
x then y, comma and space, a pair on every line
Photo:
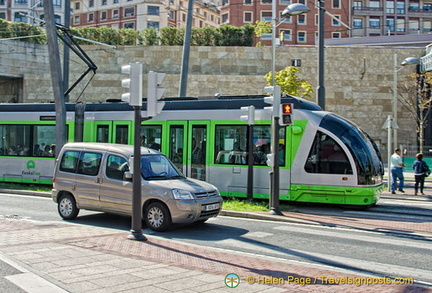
158, 167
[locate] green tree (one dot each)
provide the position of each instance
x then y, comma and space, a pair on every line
415, 95
290, 83
260, 28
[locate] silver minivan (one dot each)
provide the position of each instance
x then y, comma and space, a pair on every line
96, 176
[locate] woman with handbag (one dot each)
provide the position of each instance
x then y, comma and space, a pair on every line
421, 171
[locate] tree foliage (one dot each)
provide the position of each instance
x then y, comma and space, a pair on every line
290, 83
225, 35
415, 95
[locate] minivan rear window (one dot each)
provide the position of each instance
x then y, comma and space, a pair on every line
86, 163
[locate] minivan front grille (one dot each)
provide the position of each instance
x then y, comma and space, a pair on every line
206, 194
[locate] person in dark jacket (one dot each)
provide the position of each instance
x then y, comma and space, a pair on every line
420, 169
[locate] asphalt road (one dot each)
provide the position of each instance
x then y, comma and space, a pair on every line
351, 250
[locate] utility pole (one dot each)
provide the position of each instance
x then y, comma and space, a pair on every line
186, 51
66, 50
56, 76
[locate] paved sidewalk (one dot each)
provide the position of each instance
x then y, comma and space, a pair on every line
63, 257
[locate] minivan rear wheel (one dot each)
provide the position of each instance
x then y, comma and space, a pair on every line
67, 207
157, 217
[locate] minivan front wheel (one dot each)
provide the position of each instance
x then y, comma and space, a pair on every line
67, 207
157, 217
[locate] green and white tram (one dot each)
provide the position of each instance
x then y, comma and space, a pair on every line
324, 158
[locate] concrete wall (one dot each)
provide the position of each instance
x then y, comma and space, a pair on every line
358, 80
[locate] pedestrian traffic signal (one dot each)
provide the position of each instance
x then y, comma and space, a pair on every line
286, 112
133, 83
273, 99
250, 116
154, 93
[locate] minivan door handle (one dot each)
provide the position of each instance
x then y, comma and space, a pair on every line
98, 180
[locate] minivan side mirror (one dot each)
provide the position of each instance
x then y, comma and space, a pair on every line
127, 176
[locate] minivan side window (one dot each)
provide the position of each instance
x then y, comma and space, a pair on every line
69, 161
89, 163
116, 167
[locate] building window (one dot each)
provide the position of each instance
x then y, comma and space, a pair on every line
18, 17
104, 2
336, 22
266, 16
358, 23
115, 13
91, 3
153, 24
2, 2
374, 4
129, 25
286, 19
115, 1
21, 2
390, 7
427, 26
301, 37
90, 17
336, 4
57, 3
129, 11
400, 7
225, 18
374, 23
247, 2
2, 15
285, 35
358, 5
76, 20
285, 2
301, 19
336, 35
390, 23
247, 17
77, 5
266, 1
171, 14
153, 10
400, 25
103, 15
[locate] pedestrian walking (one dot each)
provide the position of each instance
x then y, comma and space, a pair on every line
421, 171
396, 169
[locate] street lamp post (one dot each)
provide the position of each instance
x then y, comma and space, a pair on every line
292, 9
407, 61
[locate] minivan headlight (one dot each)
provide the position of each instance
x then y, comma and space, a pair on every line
182, 194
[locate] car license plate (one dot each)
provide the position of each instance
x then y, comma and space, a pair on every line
211, 207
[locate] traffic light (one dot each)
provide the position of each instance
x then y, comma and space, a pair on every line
250, 116
286, 112
133, 83
154, 93
274, 99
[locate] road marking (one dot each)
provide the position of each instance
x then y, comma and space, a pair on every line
32, 283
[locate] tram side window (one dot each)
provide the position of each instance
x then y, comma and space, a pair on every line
231, 144
151, 136
27, 140
327, 157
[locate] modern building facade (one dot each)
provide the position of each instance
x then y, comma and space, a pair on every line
139, 14
391, 17
29, 11
301, 29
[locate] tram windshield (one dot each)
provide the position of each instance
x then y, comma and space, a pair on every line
365, 152
158, 167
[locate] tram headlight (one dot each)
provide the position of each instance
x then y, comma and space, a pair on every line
182, 194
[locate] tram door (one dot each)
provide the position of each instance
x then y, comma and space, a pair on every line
188, 148
112, 132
